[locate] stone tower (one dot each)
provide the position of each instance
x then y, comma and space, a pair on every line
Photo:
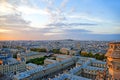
113, 61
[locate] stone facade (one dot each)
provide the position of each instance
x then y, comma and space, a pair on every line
10, 66
113, 61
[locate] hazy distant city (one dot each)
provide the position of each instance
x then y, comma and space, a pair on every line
88, 46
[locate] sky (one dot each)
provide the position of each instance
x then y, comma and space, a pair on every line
59, 19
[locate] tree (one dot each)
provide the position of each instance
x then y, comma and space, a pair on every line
38, 61
97, 56
55, 50
102, 57
38, 49
15, 56
85, 54
90, 54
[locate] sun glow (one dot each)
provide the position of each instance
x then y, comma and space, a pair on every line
5, 30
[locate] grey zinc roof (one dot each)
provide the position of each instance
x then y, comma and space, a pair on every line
93, 68
75, 70
70, 76
29, 72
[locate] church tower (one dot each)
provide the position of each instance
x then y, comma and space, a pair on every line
113, 61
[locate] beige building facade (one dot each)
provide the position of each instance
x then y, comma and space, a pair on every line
113, 61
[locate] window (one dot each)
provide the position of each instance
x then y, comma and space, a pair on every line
117, 68
118, 47
111, 46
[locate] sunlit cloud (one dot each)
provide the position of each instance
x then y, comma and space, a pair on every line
30, 10
85, 17
5, 31
6, 8
50, 34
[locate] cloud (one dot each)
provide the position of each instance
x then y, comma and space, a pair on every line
51, 34
6, 8
57, 14
31, 10
85, 17
13, 22
64, 3
78, 31
71, 24
5, 30
20, 6
10, 16
64, 31
54, 31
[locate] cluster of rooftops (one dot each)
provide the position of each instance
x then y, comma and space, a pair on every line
43, 70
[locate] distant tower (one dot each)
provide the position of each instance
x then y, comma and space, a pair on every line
27, 50
78, 46
113, 61
18, 57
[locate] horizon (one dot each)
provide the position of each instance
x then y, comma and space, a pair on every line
65, 40
60, 19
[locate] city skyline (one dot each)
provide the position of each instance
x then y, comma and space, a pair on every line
59, 19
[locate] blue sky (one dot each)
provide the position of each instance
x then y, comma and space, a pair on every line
59, 19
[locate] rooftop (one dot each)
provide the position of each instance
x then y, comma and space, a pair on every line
70, 77
114, 42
